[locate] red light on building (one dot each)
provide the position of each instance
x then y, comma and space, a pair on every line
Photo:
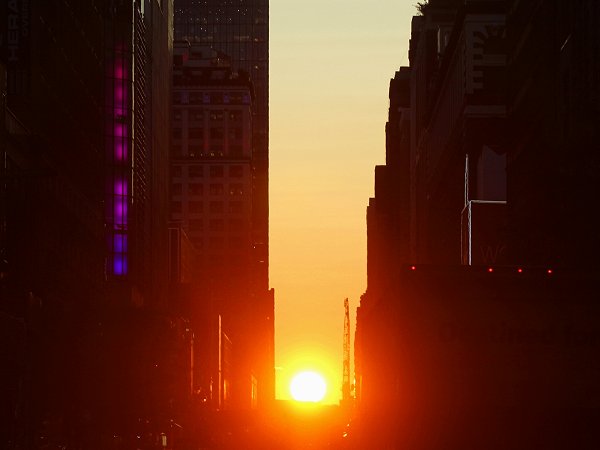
413, 267
490, 270
520, 270
549, 271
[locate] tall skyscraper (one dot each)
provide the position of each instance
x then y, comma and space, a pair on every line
241, 31
211, 201
83, 214
238, 33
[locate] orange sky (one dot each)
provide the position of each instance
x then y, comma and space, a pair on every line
330, 66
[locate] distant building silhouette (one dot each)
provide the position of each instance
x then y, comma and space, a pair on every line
211, 189
240, 32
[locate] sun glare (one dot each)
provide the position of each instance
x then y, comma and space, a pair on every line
308, 387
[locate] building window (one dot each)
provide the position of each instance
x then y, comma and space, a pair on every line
216, 189
216, 171
196, 224
195, 98
176, 171
216, 133
235, 133
196, 171
195, 133
216, 115
176, 207
196, 189
236, 98
177, 115
176, 189
235, 116
194, 151
177, 98
195, 207
176, 151
236, 189
216, 150
197, 115
235, 150
236, 171
176, 133
236, 207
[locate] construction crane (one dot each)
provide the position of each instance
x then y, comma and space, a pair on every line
346, 389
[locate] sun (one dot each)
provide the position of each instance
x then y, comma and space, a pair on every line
308, 387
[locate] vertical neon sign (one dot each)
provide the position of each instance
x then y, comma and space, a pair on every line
118, 183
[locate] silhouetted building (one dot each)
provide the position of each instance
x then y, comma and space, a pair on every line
457, 59
211, 163
240, 32
501, 170
211, 176
84, 208
554, 105
388, 212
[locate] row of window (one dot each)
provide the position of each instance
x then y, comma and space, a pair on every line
214, 171
234, 189
235, 242
197, 115
214, 207
214, 133
218, 225
210, 98
214, 151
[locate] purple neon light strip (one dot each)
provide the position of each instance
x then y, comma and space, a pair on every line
120, 151
119, 71
120, 211
120, 243
120, 154
120, 264
120, 187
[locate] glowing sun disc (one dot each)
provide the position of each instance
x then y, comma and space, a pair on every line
308, 387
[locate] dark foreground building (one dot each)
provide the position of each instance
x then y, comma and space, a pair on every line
84, 223
484, 335
466, 358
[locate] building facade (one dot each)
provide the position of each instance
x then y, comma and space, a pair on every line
85, 209
240, 33
554, 102
502, 169
211, 202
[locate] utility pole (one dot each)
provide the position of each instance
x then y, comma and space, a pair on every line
346, 375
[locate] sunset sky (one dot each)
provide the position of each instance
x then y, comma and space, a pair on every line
330, 66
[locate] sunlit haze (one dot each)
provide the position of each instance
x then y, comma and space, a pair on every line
308, 387
330, 66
